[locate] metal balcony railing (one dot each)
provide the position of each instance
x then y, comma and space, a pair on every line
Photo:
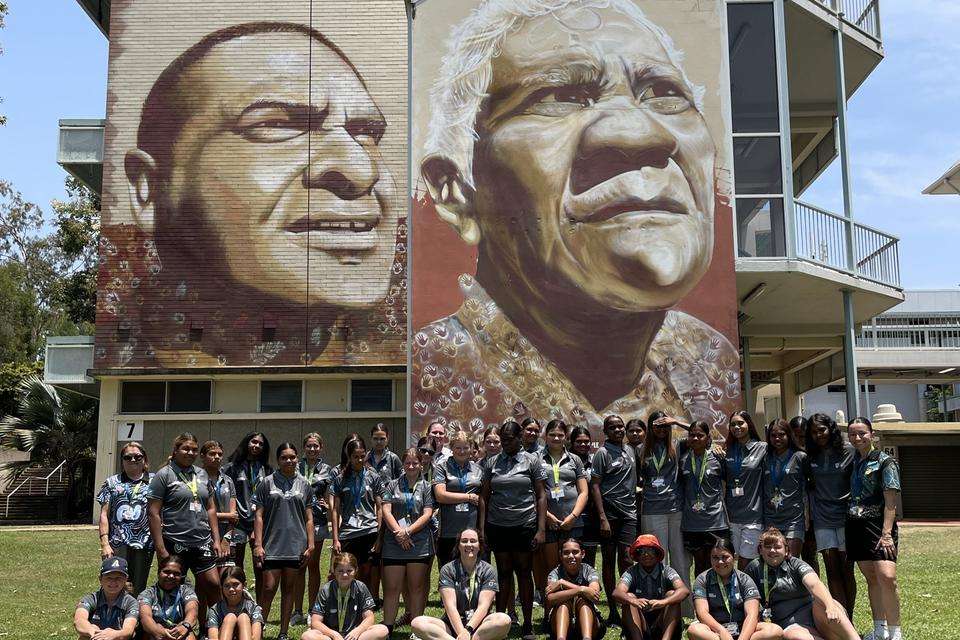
926, 331
862, 14
846, 245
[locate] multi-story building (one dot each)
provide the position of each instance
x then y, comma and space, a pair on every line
787, 280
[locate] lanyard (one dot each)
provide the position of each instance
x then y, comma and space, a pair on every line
737, 459
357, 485
723, 593
221, 483
408, 496
254, 469
764, 583
342, 600
309, 470
703, 467
659, 462
137, 485
471, 585
778, 469
110, 615
556, 470
462, 473
192, 485
167, 614
858, 476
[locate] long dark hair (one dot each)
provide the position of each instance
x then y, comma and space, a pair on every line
792, 442
836, 438
751, 428
241, 454
651, 440
575, 432
351, 444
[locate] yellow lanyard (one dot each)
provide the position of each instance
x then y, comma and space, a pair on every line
556, 474
192, 485
763, 585
723, 594
342, 610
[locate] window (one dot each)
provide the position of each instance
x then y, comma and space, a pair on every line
188, 395
142, 397
760, 227
753, 68
371, 395
756, 165
842, 388
281, 396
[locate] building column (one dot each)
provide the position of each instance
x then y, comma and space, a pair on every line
106, 437
789, 398
747, 382
849, 357
842, 148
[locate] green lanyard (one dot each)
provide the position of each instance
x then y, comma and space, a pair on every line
764, 583
703, 467
309, 470
556, 472
723, 594
659, 462
342, 609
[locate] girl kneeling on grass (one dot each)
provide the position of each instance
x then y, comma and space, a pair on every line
792, 595
236, 616
344, 607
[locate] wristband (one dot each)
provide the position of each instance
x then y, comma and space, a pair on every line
470, 629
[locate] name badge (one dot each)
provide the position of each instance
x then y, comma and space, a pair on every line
354, 521
195, 506
657, 482
462, 507
737, 492
556, 493
766, 615
404, 522
733, 628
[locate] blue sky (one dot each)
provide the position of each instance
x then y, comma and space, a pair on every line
902, 122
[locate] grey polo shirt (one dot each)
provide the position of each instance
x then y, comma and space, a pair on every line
652, 585
389, 466
829, 475
168, 608
402, 497
184, 517
454, 518
743, 468
537, 448
320, 477
246, 476
454, 576
784, 592
570, 469
616, 467
585, 576
703, 508
661, 487
789, 513
513, 499
357, 603
218, 612
358, 495
223, 490
104, 616
739, 587
284, 502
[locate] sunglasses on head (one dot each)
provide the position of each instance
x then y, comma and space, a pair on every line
133, 457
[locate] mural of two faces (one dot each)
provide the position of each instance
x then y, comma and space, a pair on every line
571, 224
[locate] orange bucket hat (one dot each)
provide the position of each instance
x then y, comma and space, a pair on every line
646, 540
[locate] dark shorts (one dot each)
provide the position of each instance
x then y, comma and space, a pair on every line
623, 530
276, 565
396, 562
360, 546
197, 560
703, 540
591, 528
510, 539
558, 536
863, 536
802, 616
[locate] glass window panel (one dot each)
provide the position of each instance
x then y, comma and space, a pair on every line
142, 397
753, 68
756, 163
189, 395
760, 228
281, 396
371, 395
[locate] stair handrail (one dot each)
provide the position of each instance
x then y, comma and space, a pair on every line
28, 479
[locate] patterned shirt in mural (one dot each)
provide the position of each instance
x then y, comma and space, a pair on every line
474, 367
871, 477
127, 500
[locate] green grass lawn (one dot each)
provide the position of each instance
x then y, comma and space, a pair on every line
44, 573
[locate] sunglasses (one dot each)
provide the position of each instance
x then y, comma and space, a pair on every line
131, 457
426, 452
737, 424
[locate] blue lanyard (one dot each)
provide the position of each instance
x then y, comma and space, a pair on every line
778, 468
462, 473
110, 615
858, 476
357, 485
408, 496
255, 469
172, 613
737, 459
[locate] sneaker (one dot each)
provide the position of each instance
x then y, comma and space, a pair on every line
298, 618
282, 636
514, 619
537, 599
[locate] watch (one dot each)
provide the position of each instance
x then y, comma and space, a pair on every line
470, 629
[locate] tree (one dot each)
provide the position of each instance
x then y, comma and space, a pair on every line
78, 233
3, 13
54, 426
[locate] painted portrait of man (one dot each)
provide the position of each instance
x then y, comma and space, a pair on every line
271, 220
567, 143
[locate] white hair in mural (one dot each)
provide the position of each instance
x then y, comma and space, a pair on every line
467, 70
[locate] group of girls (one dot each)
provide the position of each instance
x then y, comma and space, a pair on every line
541, 501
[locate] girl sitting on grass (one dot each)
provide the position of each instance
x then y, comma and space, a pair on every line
236, 616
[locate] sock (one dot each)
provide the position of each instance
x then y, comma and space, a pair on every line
880, 629
389, 629
894, 633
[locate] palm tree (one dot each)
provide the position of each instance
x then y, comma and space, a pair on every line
54, 426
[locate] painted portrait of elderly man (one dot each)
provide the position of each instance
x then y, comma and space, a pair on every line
567, 143
265, 215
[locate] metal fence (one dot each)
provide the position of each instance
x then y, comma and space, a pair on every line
863, 14
927, 331
822, 237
